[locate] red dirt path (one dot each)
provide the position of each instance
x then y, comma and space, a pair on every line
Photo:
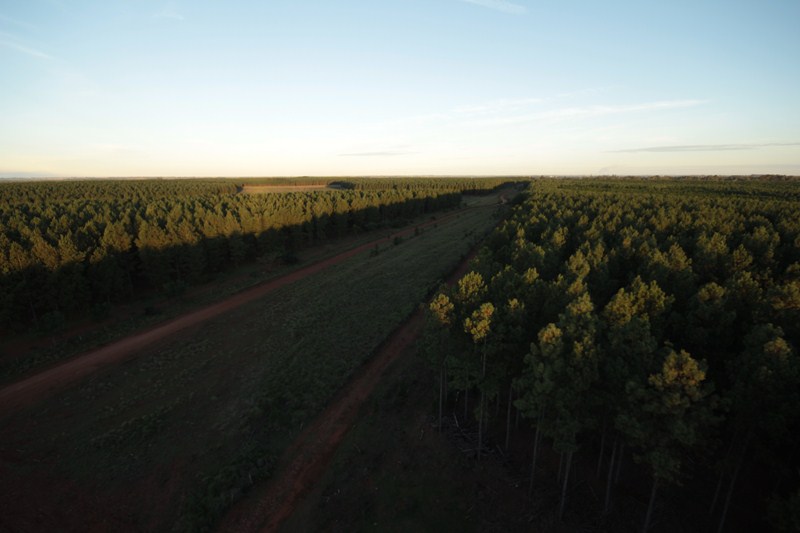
38, 386
309, 455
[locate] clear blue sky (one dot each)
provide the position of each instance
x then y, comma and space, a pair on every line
207, 88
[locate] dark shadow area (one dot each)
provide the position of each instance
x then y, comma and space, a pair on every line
41, 303
42, 299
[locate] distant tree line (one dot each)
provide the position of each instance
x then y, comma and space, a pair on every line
69, 246
657, 320
454, 184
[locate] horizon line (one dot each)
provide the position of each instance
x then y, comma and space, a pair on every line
368, 176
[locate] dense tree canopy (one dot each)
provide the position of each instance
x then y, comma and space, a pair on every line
69, 246
662, 313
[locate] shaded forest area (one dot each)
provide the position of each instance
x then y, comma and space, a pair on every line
173, 436
72, 246
654, 321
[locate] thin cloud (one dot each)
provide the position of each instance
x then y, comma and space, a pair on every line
589, 90
704, 147
699, 170
375, 154
25, 49
509, 111
601, 110
506, 105
499, 5
18, 174
570, 113
498, 106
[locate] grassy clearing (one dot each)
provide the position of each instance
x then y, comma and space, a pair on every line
207, 412
155, 309
267, 189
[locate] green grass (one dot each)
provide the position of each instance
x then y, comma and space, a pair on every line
132, 317
211, 409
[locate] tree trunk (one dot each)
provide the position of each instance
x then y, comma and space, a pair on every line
33, 312
620, 458
607, 504
650, 506
733, 483
718, 490
466, 404
508, 413
480, 426
564, 487
716, 494
602, 449
441, 394
178, 276
483, 404
445, 380
535, 452
560, 465
130, 283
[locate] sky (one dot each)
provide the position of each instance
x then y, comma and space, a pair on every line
398, 87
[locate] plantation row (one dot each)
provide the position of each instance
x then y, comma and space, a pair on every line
69, 246
657, 320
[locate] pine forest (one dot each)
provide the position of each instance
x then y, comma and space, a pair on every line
650, 322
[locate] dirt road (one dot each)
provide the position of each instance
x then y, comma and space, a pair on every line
307, 458
38, 386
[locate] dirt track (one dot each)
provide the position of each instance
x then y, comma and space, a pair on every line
38, 386
306, 459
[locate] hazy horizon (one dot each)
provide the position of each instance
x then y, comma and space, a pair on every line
443, 87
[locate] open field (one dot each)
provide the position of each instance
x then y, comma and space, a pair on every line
27, 353
171, 438
264, 189
304, 463
27, 391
